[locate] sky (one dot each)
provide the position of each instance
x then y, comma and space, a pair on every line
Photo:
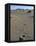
14, 7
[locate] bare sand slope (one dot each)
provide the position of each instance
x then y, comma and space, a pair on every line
21, 24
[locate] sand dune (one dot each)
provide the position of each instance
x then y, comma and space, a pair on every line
21, 24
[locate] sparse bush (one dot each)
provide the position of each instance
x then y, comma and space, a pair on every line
29, 11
